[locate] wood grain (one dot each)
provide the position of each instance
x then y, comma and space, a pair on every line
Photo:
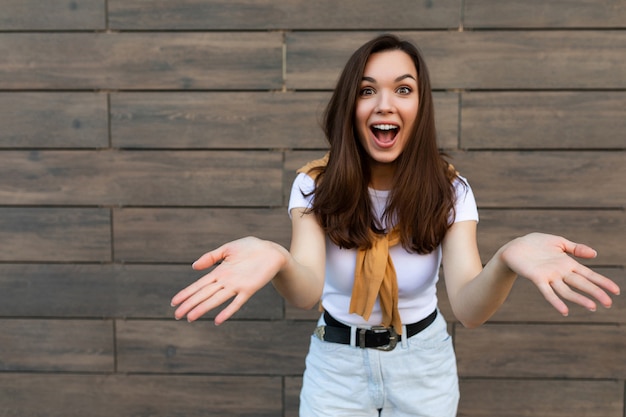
146, 178
240, 120
543, 120
56, 345
234, 348
138, 134
583, 179
576, 14
143, 61
476, 60
542, 351
292, 396
244, 120
53, 120
546, 398
139, 395
110, 290
55, 234
53, 15
182, 235
281, 14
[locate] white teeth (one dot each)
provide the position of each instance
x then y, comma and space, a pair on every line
385, 127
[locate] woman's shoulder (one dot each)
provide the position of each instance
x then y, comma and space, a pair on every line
304, 182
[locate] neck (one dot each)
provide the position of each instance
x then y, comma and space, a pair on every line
381, 175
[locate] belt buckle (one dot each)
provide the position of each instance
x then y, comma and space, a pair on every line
393, 337
319, 332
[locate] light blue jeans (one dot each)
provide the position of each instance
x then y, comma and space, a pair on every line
417, 379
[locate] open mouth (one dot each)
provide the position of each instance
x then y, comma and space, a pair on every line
384, 133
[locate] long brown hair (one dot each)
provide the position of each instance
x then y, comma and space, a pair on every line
421, 201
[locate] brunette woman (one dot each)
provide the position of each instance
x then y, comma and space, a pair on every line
372, 222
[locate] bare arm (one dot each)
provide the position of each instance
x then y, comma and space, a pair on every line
246, 265
476, 293
301, 280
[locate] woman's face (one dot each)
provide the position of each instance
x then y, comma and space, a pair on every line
387, 104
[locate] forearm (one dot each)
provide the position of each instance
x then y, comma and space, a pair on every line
297, 283
479, 298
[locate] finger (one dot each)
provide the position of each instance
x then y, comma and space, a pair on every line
231, 309
580, 250
592, 283
552, 298
193, 288
203, 294
204, 307
570, 295
209, 259
598, 279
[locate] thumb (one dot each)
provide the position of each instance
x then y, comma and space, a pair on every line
580, 250
209, 259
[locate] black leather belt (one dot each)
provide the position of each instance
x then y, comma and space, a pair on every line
377, 337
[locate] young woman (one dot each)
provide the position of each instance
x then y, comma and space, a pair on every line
372, 222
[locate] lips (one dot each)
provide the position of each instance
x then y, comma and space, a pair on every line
384, 134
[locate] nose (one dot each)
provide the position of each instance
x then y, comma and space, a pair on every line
385, 102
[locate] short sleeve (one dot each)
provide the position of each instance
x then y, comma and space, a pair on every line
301, 192
465, 206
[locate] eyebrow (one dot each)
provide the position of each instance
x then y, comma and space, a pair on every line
400, 78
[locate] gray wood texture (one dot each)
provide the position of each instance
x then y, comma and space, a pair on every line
140, 61
53, 15
103, 395
173, 235
147, 178
539, 14
138, 134
281, 14
527, 398
542, 350
477, 60
54, 120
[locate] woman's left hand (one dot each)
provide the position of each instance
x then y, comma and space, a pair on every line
544, 260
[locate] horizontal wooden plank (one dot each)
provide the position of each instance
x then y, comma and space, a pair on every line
292, 396
55, 234
141, 61
64, 395
237, 347
526, 304
53, 120
545, 179
546, 398
544, 14
281, 14
601, 229
182, 235
147, 178
53, 15
239, 121
217, 120
542, 351
476, 60
126, 291
56, 345
543, 120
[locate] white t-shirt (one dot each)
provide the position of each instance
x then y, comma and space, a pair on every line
417, 274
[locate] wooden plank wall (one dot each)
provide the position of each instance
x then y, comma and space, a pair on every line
137, 134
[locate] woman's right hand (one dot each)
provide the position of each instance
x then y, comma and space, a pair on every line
244, 266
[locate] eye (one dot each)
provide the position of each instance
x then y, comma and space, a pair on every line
404, 90
366, 91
